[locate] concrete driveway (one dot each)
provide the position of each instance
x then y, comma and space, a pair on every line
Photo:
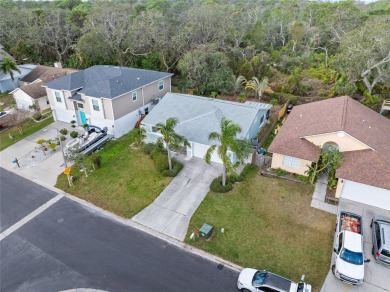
46, 170
376, 276
172, 210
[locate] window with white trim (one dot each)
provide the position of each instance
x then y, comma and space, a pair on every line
291, 162
95, 105
58, 96
80, 105
161, 85
134, 96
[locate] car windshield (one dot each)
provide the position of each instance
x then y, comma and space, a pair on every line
385, 252
258, 279
352, 257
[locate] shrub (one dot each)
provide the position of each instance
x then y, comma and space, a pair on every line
160, 160
73, 122
37, 116
148, 148
52, 145
280, 172
248, 168
176, 168
62, 138
97, 161
85, 126
41, 141
64, 131
73, 126
235, 178
74, 134
216, 185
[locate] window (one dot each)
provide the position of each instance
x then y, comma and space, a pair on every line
58, 96
80, 105
154, 129
95, 105
340, 242
291, 162
134, 96
161, 85
261, 120
47, 100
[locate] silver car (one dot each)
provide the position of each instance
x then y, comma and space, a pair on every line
381, 239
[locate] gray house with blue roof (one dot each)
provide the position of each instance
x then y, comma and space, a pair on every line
199, 116
107, 96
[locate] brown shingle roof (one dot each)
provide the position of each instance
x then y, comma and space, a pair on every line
43, 71
35, 89
340, 114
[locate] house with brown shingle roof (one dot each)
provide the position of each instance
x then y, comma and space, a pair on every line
361, 135
31, 91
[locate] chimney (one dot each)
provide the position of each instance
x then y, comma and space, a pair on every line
58, 65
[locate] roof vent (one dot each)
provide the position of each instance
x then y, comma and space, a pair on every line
341, 134
300, 115
138, 78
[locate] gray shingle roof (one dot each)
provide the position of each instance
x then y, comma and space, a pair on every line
198, 116
107, 81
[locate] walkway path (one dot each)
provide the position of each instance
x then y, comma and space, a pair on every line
45, 169
172, 210
319, 194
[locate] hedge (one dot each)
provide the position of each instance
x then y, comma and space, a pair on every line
248, 168
216, 185
160, 160
176, 168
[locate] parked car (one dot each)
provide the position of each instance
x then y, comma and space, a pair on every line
381, 239
349, 263
254, 280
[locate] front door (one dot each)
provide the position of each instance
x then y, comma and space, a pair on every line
83, 118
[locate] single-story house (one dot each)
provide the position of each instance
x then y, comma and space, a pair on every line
107, 96
6, 83
199, 116
31, 91
361, 135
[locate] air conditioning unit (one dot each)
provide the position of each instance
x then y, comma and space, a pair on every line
156, 100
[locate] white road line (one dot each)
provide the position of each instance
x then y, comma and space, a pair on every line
29, 217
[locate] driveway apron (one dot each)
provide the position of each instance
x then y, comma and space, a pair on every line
172, 210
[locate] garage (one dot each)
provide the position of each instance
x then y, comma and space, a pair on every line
366, 194
199, 150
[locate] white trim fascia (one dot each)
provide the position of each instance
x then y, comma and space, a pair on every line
11, 92
323, 134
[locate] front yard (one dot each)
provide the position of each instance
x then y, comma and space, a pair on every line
269, 225
29, 128
127, 182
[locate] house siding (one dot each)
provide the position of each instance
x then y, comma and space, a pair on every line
277, 162
22, 99
123, 105
346, 143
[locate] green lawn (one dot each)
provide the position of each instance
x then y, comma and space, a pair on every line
7, 101
269, 225
29, 128
127, 182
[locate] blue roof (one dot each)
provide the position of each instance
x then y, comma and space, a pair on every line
198, 116
106, 81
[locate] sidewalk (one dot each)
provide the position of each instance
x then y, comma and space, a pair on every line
319, 194
46, 170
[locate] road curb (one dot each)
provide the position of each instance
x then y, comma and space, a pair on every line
138, 226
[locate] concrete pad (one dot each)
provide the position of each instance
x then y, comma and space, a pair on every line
171, 211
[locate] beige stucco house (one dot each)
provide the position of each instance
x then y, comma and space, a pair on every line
107, 96
31, 92
361, 135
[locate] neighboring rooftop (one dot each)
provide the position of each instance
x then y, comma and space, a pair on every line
340, 114
4, 54
198, 116
40, 72
107, 81
36, 90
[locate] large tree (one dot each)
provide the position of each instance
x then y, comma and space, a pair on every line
170, 137
227, 141
365, 53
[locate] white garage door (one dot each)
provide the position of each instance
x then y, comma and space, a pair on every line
199, 150
366, 194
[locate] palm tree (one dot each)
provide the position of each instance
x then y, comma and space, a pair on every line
228, 141
7, 65
237, 83
257, 86
171, 138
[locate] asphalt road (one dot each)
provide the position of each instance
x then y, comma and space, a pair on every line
70, 246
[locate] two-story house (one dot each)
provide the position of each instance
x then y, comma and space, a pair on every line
107, 96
